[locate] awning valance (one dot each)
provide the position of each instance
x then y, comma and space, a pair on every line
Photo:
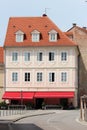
31, 95
18, 95
54, 94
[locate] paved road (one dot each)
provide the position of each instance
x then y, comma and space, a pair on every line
61, 120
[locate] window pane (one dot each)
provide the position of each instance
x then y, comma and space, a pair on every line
14, 76
27, 56
35, 37
39, 77
27, 77
14, 56
19, 37
64, 56
39, 56
51, 77
51, 56
63, 76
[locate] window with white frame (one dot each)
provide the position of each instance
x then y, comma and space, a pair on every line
15, 56
27, 77
39, 56
19, 36
27, 56
63, 76
35, 36
51, 56
52, 36
39, 77
14, 76
51, 77
63, 56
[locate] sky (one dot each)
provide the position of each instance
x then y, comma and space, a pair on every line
62, 12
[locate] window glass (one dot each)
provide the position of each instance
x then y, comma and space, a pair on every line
64, 56
51, 56
51, 77
19, 37
14, 56
27, 77
39, 56
26, 56
15, 76
35, 37
39, 77
63, 76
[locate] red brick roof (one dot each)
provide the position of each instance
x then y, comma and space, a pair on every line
27, 24
1, 55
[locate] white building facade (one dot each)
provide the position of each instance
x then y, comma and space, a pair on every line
41, 71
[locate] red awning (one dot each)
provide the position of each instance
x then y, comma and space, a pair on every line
18, 95
54, 95
28, 95
11, 95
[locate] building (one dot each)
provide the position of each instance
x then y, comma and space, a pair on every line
41, 63
1, 72
79, 35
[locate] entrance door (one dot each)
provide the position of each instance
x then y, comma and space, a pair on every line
39, 102
64, 103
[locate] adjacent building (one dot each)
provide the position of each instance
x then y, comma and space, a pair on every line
79, 35
1, 72
41, 63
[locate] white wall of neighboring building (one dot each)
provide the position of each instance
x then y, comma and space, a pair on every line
33, 66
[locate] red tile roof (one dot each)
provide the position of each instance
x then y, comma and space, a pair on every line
1, 55
27, 24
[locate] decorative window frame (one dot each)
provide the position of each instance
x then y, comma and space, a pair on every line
64, 59
19, 36
14, 77
35, 36
13, 58
64, 79
28, 59
52, 36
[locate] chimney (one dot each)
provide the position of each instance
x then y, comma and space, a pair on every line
44, 15
74, 24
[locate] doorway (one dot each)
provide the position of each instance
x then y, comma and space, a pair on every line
64, 103
39, 102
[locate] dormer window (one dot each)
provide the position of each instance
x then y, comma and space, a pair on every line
19, 36
52, 36
35, 36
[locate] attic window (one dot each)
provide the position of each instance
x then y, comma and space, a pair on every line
35, 36
52, 36
19, 36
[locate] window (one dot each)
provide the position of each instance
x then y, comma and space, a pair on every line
51, 77
39, 77
39, 56
26, 56
14, 76
14, 56
51, 56
53, 36
35, 36
64, 56
27, 77
19, 36
63, 77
